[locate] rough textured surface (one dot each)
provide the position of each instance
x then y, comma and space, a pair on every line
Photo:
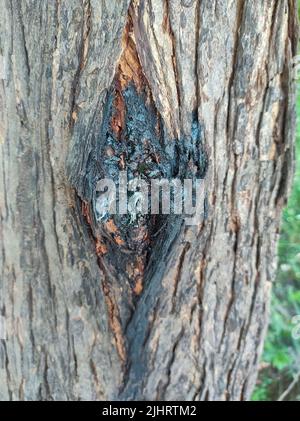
192, 322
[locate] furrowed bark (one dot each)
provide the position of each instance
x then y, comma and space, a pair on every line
96, 309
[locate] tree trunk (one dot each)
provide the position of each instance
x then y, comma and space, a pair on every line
159, 310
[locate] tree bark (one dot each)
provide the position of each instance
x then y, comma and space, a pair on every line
164, 311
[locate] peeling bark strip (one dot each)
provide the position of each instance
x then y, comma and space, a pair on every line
101, 308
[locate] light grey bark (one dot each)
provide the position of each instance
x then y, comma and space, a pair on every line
76, 328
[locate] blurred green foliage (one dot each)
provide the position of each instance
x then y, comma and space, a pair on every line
281, 358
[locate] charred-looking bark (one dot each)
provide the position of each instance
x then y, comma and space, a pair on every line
101, 306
